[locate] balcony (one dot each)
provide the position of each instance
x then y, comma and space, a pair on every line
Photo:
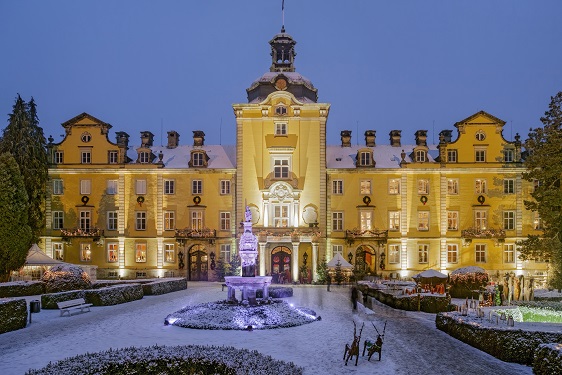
295, 234
471, 233
68, 233
189, 233
367, 234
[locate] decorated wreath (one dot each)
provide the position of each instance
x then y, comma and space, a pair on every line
423, 199
85, 199
140, 200
367, 200
197, 199
481, 199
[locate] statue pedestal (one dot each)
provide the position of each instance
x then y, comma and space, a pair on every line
247, 286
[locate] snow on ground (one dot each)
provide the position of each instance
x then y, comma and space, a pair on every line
412, 343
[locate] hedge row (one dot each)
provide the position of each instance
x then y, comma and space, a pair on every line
49, 301
164, 286
113, 295
21, 288
426, 303
13, 314
548, 359
507, 344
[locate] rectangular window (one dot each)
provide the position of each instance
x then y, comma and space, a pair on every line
509, 220
393, 254
366, 218
58, 219
337, 221
480, 156
480, 186
281, 215
58, 157
281, 168
225, 187
86, 156
144, 157
423, 220
141, 220
509, 186
480, 250
85, 187
225, 253
58, 188
337, 187
423, 253
140, 187
85, 252
169, 187
508, 156
280, 128
197, 220
196, 187
85, 220
197, 159
452, 156
423, 186
58, 251
111, 220
169, 220
140, 253
509, 253
394, 220
225, 220
453, 186
337, 249
112, 252
480, 219
111, 187
394, 186
169, 253
113, 157
537, 222
452, 220
421, 156
365, 188
452, 253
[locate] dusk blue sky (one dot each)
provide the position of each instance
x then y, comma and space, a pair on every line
382, 65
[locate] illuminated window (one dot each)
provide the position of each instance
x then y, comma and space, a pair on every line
393, 254
480, 186
366, 218
365, 187
58, 250
85, 252
537, 222
140, 253
197, 220
453, 186
111, 187
58, 188
394, 220
423, 220
423, 186
169, 220
452, 220
112, 252
423, 253
480, 219
394, 186
281, 215
452, 253
169, 253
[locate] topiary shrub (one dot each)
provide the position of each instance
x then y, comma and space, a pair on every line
21, 288
13, 314
49, 301
114, 295
467, 281
65, 277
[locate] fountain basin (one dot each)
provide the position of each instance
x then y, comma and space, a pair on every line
247, 286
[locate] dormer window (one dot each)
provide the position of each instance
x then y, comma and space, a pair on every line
421, 156
508, 156
281, 110
365, 158
58, 157
199, 159
144, 157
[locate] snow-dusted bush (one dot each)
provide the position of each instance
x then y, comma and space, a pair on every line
49, 301
21, 288
171, 360
467, 280
65, 277
425, 302
164, 286
13, 314
548, 359
113, 295
276, 292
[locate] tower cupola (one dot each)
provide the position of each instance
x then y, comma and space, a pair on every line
282, 52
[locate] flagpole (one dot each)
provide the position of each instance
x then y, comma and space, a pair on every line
283, 13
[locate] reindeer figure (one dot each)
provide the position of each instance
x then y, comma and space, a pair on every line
374, 347
353, 350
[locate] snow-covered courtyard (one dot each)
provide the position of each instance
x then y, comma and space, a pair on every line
412, 344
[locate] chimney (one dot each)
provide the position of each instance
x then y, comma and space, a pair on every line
173, 139
395, 138
147, 139
122, 139
198, 138
421, 138
446, 136
345, 138
370, 136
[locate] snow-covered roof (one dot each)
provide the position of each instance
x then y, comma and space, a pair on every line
293, 77
220, 157
386, 156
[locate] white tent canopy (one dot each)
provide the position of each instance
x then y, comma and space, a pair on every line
36, 257
427, 274
343, 263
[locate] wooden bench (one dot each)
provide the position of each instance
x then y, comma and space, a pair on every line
72, 305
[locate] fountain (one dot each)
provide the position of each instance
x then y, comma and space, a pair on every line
248, 283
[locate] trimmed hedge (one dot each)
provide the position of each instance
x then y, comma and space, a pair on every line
548, 359
507, 344
113, 295
164, 286
49, 301
21, 288
427, 303
13, 315
276, 292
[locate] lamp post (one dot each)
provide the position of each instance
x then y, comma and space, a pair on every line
212, 256
304, 258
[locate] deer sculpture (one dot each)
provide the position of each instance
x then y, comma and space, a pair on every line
374, 347
353, 350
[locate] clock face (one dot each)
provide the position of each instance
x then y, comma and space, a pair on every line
281, 84
86, 137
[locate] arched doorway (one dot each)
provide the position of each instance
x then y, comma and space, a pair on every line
365, 259
198, 263
281, 264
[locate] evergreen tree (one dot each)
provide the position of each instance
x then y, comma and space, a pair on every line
24, 139
338, 277
544, 166
14, 230
322, 271
234, 266
221, 269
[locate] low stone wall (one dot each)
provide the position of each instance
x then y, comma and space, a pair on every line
426, 303
13, 314
114, 295
548, 359
21, 288
164, 286
49, 300
507, 344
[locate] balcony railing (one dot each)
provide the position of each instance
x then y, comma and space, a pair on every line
296, 234
196, 233
483, 233
368, 233
94, 233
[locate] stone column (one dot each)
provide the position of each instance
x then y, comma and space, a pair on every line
295, 262
314, 261
262, 258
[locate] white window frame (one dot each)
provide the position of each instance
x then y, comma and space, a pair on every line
85, 252
480, 155
226, 253
421, 156
423, 186
58, 157
452, 156
452, 253
58, 251
281, 167
112, 252
423, 221
394, 186
280, 110
169, 220
141, 252
169, 253
140, 187
86, 156
112, 186
509, 220
365, 187
196, 220
452, 220
144, 157
281, 129
394, 254
112, 220
281, 215
481, 219
140, 220
113, 157
480, 253
423, 253
58, 186
58, 220
366, 219
337, 187
509, 186
225, 187
480, 186
508, 155
85, 220
169, 187
196, 187
224, 220
509, 253
197, 159
337, 221
337, 249
365, 158
453, 186
85, 187
394, 220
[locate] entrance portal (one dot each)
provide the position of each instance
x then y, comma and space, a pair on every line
198, 266
281, 264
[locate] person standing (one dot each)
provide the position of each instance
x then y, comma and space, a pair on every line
329, 281
354, 296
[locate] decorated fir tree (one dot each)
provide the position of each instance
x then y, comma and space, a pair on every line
322, 271
338, 277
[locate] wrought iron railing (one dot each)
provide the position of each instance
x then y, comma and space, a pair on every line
483, 233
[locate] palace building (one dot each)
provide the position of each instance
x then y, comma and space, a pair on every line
390, 206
